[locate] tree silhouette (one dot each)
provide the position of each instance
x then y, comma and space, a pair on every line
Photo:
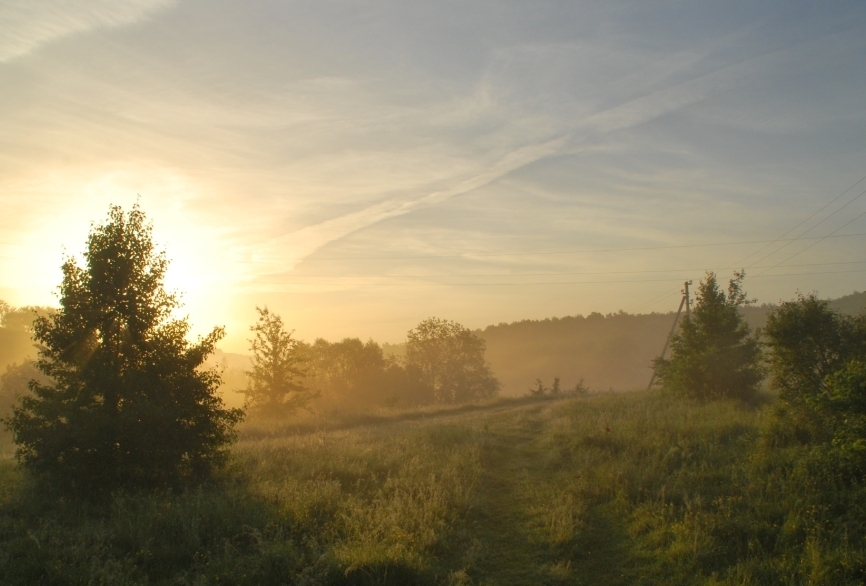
275, 385
451, 360
128, 402
714, 355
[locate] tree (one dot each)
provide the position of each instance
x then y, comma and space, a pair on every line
128, 403
809, 342
16, 331
816, 366
15, 383
275, 387
713, 354
451, 360
353, 374
349, 369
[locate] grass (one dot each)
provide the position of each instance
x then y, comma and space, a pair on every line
606, 489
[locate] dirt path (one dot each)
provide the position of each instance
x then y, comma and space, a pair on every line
252, 433
501, 517
513, 487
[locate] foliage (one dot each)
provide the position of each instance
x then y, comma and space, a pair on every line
818, 366
16, 330
451, 361
713, 354
556, 388
275, 386
809, 342
352, 507
352, 374
127, 402
842, 407
15, 383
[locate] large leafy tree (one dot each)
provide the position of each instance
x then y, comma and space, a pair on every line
129, 402
275, 386
714, 354
451, 361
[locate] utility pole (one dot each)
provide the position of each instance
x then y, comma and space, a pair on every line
688, 303
684, 301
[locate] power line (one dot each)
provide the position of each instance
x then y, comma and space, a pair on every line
654, 299
814, 243
556, 252
421, 276
812, 228
536, 283
782, 237
828, 204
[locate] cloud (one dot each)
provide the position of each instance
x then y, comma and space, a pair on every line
676, 97
27, 24
306, 241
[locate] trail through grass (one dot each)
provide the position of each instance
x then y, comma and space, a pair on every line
602, 490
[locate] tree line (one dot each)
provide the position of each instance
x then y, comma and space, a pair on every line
444, 363
118, 396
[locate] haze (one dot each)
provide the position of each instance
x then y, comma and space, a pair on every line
360, 166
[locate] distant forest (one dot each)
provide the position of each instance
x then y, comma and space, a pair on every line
609, 352
612, 351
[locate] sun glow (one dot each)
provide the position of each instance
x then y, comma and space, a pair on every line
35, 244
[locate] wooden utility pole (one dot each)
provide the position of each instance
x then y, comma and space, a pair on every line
688, 303
684, 301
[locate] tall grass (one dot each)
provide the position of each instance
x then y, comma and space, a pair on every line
618, 489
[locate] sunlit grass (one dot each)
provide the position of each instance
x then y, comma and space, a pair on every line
618, 489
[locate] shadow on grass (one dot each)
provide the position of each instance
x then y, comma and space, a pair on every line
222, 532
604, 554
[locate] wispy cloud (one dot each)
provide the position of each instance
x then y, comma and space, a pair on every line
27, 24
306, 241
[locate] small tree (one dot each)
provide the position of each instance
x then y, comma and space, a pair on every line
451, 360
713, 354
128, 402
275, 387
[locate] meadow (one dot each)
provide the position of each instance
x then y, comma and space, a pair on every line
633, 488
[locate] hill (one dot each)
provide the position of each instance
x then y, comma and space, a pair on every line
611, 351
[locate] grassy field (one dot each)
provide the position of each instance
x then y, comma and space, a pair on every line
605, 489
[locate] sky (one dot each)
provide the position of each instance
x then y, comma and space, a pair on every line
358, 166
